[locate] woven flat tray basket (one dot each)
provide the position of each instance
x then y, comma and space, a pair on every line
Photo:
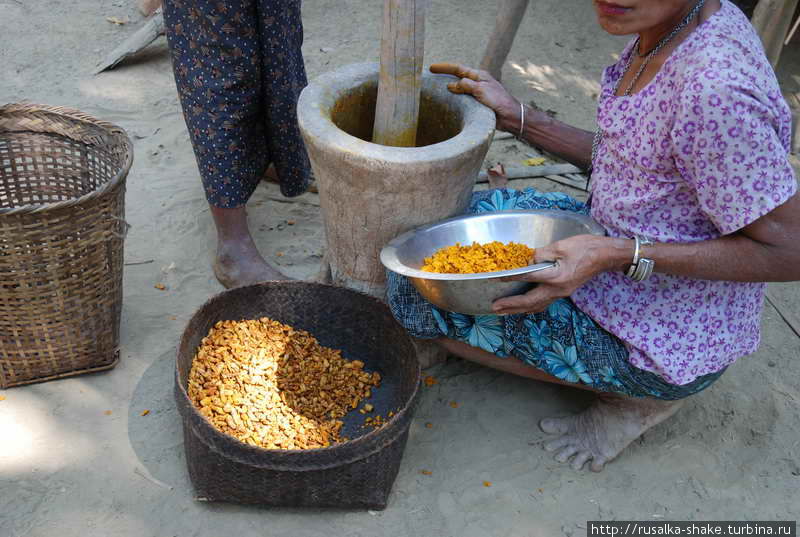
355, 474
62, 209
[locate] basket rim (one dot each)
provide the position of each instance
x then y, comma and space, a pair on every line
23, 109
371, 442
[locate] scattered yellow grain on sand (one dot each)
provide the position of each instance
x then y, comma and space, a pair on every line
536, 161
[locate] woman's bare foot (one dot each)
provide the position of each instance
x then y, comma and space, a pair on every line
497, 176
238, 262
598, 434
601, 432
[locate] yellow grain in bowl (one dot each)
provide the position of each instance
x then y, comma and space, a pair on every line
476, 258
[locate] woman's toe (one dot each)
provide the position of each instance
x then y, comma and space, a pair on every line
580, 459
554, 425
566, 453
598, 463
558, 443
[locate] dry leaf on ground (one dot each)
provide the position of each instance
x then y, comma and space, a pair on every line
537, 161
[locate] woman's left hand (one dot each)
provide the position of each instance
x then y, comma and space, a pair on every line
578, 259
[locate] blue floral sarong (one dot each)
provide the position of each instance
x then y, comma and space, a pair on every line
562, 341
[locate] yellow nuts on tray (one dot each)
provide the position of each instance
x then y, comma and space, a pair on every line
476, 258
275, 387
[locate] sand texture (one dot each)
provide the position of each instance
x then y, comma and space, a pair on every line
68, 469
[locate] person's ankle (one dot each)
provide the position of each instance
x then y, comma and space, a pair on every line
235, 243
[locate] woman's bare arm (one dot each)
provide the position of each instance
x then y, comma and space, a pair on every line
570, 143
765, 251
768, 250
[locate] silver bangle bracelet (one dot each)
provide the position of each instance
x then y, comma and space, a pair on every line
635, 263
521, 120
641, 268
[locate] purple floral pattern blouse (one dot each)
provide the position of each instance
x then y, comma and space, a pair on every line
700, 152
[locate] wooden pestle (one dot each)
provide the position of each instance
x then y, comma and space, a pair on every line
402, 50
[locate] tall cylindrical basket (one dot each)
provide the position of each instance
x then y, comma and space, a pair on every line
62, 228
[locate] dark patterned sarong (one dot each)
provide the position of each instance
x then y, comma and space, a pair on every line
239, 72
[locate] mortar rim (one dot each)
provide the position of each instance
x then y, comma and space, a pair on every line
317, 126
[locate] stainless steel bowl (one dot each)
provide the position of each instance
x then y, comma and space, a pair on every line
474, 293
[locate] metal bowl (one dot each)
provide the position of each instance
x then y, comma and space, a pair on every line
473, 294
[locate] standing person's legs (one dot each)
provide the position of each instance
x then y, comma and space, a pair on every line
283, 78
216, 55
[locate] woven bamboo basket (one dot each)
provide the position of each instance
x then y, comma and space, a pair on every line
62, 209
358, 473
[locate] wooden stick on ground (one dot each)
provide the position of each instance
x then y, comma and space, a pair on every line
524, 172
564, 173
558, 173
786, 314
145, 35
772, 19
509, 15
402, 49
792, 32
794, 105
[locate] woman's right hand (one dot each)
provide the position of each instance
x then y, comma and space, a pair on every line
486, 90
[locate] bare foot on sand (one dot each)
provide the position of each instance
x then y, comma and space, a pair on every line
239, 264
601, 432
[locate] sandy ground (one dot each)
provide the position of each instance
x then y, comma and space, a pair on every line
69, 469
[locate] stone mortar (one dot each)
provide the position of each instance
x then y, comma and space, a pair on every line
370, 193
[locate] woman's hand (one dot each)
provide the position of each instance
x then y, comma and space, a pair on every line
486, 90
572, 144
578, 260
